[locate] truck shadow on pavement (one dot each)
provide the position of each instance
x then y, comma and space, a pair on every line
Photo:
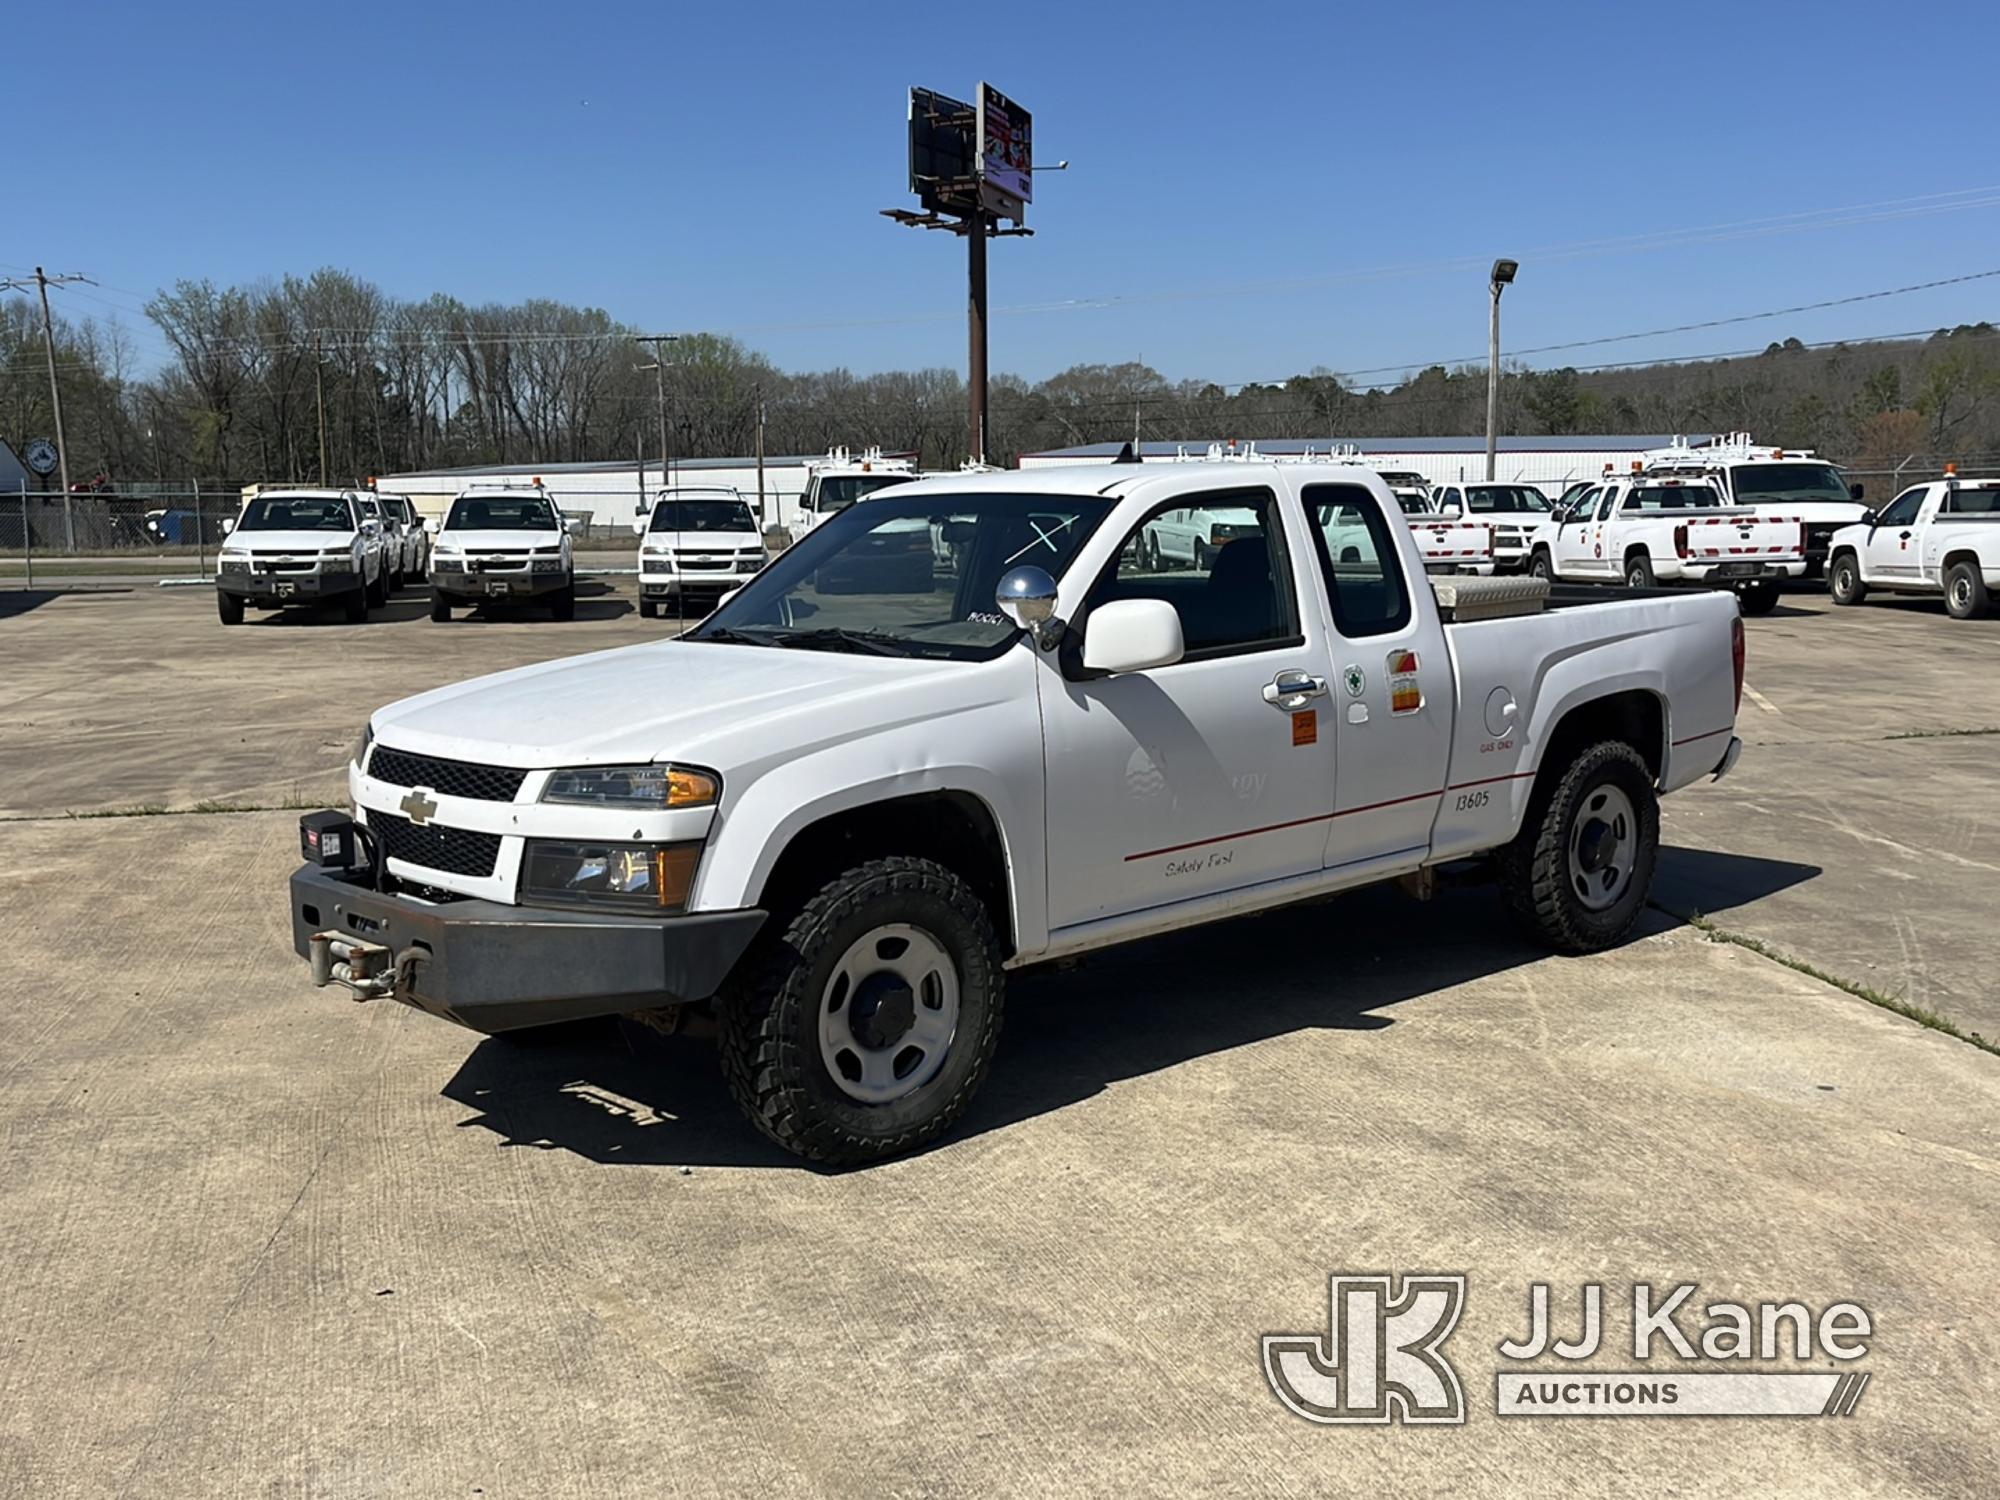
614, 1092
18, 601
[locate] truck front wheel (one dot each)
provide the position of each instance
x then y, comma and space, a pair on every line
1844, 582
1579, 871
440, 607
229, 607
1965, 595
863, 1029
355, 605
1540, 566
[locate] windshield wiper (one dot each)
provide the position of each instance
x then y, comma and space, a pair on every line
833, 638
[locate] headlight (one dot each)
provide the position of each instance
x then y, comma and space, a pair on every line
649, 877
367, 739
237, 564
655, 565
650, 786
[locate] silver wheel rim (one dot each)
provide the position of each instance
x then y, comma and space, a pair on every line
1603, 847
888, 1014
1961, 592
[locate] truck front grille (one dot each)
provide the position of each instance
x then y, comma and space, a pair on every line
455, 851
455, 778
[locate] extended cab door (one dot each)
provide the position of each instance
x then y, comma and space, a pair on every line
1391, 707
1211, 774
1572, 546
1892, 554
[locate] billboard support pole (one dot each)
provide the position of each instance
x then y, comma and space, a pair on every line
975, 257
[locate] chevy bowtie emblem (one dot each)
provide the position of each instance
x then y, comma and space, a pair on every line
419, 807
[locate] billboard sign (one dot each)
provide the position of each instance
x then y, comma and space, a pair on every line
1006, 152
944, 164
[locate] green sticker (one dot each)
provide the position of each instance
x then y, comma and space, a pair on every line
1357, 682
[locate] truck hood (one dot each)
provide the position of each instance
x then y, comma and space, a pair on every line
663, 700
289, 541
482, 541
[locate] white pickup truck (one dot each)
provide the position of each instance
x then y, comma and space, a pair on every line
1942, 537
841, 815
1786, 482
838, 480
504, 544
303, 547
1512, 511
695, 544
1646, 531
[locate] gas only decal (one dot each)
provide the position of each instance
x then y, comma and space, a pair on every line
1405, 695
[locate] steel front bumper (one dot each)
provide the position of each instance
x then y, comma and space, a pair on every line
493, 967
472, 586
278, 588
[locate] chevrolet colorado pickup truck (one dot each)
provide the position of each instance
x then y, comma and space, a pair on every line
303, 547
506, 544
696, 544
841, 815
1937, 538
1647, 531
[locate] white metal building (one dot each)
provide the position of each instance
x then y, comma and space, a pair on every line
611, 493
1548, 462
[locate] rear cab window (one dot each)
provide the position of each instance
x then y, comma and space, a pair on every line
1358, 560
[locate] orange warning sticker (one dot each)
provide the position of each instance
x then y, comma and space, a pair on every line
1305, 727
1405, 696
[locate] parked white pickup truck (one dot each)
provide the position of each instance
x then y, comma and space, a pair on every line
696, 544
844, 814
838, 480
1937, 538
1513, 511
1643, 532
302, 547
504, 544
1772, 482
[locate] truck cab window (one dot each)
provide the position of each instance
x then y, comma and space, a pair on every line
1229, 578
1357, 558
1903, 509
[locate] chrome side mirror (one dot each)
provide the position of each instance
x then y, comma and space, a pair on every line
1027, 596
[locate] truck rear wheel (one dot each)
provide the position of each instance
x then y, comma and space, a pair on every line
229, 607
1579, 871
1844, 581
862, 1030
1757, 598
1638, 571
1965, 595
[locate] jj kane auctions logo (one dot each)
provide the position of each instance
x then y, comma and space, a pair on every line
1381, 1359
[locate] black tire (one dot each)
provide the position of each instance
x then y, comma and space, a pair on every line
440, 607
1203, 557
1757, 598
1151, 543
649, 609
355, 605
1843, 580
1638, 571
768, 1025
229, 608
562, 606
1535, 869
1542, 566
1965, 596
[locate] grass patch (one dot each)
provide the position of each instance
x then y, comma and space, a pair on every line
1940, 734
1923, 1015
208, 807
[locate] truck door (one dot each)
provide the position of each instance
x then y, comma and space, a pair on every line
1214, 773
1573, 537
1392, 700
1893, 555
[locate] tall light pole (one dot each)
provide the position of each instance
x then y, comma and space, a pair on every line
1503, 277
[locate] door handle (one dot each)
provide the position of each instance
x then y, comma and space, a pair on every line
1903, 536
1292, 690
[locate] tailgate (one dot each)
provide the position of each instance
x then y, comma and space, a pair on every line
1751, 538
1452, 543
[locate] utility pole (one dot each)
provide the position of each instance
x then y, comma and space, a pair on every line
1503, 277
762, 519
42, 282
659, 341
319, 401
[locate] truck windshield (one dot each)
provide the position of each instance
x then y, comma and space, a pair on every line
501, 513
1804, 483
910, 577
702, 515
297, 513
838, 491
1504, 499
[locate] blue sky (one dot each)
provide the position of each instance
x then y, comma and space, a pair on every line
1255, 190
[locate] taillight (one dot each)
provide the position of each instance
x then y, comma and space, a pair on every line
1681, 541
1736, 657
